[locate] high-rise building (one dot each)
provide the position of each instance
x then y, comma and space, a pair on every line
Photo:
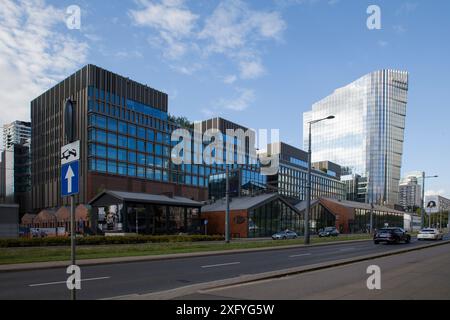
17, 132
410, 194
366, 137
15, 167
125, 139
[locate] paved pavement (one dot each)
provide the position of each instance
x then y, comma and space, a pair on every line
107, 281
422, 274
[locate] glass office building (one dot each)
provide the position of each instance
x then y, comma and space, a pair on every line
291, 179
366, 137
125, 134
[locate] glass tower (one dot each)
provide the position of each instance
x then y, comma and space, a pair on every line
366, 137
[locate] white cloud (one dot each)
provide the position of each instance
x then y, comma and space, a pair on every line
230, 79
168, 15
399, 29
407, 8
186, 69
383, 43
233, 30
440, 192
171, 19
233, 25
34, 55
240, 103
251, 69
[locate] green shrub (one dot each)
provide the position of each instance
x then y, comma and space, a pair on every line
100, 240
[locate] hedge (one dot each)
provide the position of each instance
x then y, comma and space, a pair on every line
100, 240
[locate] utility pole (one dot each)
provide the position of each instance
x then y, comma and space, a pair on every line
423, 200
308, 189
137, 223
227, 213
308, 180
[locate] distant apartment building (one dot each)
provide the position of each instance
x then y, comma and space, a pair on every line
15, 167
366, 137
410, 193
17, 132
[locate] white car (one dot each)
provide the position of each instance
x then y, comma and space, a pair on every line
430, 234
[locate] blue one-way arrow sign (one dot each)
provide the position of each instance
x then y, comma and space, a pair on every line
70, 179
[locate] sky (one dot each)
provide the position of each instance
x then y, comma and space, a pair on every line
259, 63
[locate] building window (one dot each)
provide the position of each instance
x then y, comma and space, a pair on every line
112, 167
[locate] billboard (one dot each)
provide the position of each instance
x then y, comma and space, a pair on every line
432, 204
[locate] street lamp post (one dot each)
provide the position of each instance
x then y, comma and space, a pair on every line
308, 182
227, 213
423, 198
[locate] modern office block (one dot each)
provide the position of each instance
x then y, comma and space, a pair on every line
366, 137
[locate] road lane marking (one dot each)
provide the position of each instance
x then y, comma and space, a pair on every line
64, 282
347, 249
300, 255
220, 265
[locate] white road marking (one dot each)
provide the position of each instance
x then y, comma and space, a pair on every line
347, 249
300, 255
64, 282
221, 265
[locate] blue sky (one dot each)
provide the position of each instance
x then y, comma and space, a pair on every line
259, 63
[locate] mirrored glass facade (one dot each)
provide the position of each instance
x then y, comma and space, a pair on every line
366, 137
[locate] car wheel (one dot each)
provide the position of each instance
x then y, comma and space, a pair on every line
284, 238
408, 240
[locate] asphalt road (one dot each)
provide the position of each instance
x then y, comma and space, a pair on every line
417, 275
108, 281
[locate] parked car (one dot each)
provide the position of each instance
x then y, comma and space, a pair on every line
391, 235
430, 234
329, 232
284, 235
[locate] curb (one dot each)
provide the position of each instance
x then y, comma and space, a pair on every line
219, 284
95, 262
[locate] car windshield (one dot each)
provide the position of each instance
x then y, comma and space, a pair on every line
329, 229
385, 230
427, 231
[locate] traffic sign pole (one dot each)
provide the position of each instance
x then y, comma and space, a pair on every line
70, 157
72, 240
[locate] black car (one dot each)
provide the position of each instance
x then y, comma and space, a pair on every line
391, 235
329, 232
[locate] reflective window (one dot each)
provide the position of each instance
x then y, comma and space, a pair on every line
112, 167
123, 141
141, 145
101, 165
132, 130
112, 124
131, 170
132, 143
112, 139
122, 155
123, 128
122, 169
141, 133
141, 159
131, 156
